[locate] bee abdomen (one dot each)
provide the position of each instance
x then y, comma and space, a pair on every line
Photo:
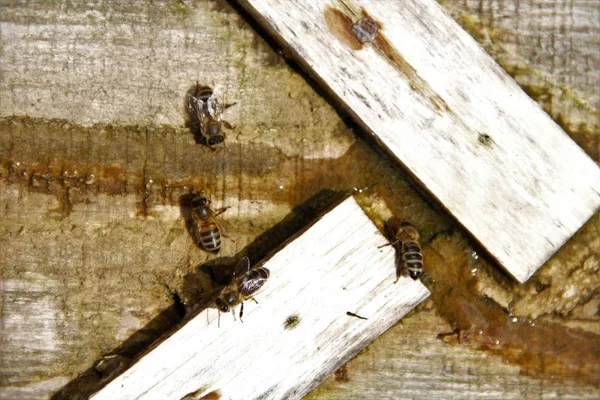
254, 281
203, 93
210, 237
412, 259
258, 273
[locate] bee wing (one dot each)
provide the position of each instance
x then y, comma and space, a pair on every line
253, 281
212, 106
176, 230
241, 268
194, 105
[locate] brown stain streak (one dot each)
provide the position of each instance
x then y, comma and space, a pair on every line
416, 83
539, 349
53, 171
340, 26
214, 395
341, 375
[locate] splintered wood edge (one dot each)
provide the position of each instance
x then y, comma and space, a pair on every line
458, 123
298, 333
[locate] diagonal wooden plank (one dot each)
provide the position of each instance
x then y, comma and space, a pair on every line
451, 116
298, 333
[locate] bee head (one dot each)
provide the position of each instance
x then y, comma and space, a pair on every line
199, 201
213, 128
215, 140
221, 305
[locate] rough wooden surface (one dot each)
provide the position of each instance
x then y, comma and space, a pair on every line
393, 368
334, 267
551, 49
557, 37
489, 154
86, 209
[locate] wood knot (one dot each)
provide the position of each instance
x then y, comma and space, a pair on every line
485, 139
292, 321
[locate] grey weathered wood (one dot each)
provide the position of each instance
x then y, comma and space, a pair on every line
333, 268
452, 117
557, 37
402, 364
87, 282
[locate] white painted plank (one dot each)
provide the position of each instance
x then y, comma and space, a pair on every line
451, 116
332, 268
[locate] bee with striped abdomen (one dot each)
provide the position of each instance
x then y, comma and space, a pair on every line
204, 228
409, 257
206, 111
245, 283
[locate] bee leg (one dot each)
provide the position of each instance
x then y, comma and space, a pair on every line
388, 244
221, 211
226, 106
227, 125
242, 312
219, 320
253, 299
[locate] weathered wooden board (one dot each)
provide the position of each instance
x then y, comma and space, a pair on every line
333, 268
452, 117
403, 365
85, 283
558, 37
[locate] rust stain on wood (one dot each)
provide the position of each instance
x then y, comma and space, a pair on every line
343, 27
538, 347
340, 26
214, 395
57, 168
341, 375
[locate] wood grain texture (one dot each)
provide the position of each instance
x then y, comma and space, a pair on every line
452, 117
410, 361
333, 268
77, 281
551, 49
558, 37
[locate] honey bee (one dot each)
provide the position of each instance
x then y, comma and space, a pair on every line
203, 225
365, 30
206, 110
409, 258
245, 283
